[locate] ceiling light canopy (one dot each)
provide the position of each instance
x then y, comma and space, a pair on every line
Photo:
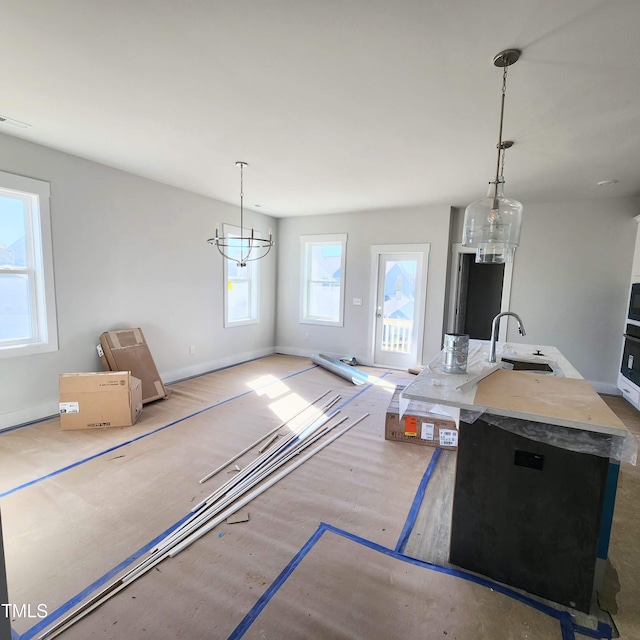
492, 224
242, 248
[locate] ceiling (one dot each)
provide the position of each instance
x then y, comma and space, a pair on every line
337, 105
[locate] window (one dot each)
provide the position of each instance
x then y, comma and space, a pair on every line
27, 302
241, 299
323, 260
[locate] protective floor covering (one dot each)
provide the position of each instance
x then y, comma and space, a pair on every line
80, 508
345, 588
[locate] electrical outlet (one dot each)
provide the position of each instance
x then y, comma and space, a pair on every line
307, 337
192, 350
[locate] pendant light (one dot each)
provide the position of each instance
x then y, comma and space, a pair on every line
492, 224
243, 248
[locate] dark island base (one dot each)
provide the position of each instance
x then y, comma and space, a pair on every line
527, 513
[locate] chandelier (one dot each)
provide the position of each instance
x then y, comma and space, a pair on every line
492, 224
242, 248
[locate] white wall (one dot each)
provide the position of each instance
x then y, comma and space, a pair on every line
364, 229
129, 252
571, 279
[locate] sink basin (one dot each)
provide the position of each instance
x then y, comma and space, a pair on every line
527, 365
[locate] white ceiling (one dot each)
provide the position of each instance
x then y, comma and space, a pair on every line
337, 105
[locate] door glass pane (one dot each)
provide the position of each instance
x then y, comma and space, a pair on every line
12, 232
399, 305
15, 309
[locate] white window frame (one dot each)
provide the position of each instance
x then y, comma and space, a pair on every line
307, 242
39, 269
253, 278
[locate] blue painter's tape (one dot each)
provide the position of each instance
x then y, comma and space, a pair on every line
264, 599
567, 628
63, 609
229, 366
144, 435
608, 505
605, 630
485, 582
365, 388
417, 501
14, 635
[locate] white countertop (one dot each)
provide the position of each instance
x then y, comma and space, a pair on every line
435, 386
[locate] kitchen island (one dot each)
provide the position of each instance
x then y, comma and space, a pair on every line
536, 471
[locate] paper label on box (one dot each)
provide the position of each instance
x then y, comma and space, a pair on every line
69, 407
427, 430
448, 438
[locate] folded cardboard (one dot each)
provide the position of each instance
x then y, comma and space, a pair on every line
127, 350
98, 400
419, 425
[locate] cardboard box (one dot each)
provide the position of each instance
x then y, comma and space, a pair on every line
127, 350
98, 400
419, 425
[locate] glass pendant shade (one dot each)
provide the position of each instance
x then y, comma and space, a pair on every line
492, 225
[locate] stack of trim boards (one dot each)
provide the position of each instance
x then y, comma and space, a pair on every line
127, 350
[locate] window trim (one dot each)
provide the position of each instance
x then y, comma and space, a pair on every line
254, 282
39, 267
315, 240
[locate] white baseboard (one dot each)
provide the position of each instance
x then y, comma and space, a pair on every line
293, 351
605, 387
307, 353
213, 365
32, 414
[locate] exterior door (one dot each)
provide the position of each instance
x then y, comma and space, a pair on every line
399, 307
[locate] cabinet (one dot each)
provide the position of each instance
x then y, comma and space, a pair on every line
527, 513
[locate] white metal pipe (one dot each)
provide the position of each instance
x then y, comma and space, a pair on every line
269, 442
258, 461
249, 483
257, 442
254, 494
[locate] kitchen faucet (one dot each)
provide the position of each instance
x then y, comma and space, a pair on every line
494, 332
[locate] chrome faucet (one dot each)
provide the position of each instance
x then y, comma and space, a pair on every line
494, 332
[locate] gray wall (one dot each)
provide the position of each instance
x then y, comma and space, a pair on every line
129, 252
571, 278
364, 229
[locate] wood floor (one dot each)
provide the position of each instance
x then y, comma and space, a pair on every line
334, 550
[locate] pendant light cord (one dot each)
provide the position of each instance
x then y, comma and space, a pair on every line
500, 146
